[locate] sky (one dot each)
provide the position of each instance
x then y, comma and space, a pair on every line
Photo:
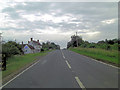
58, 21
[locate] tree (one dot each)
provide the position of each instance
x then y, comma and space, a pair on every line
69, 44
75, 41
101, 42
111, 42
50, 45
11, 48
8, 49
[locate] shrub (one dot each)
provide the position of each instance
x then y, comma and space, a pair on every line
42, 49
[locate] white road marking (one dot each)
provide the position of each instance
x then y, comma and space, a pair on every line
106, 64
68, 64
64, 57
77, 79
63, 54
101, 62
80, 83
18, 75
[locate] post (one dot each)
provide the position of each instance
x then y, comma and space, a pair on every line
31, 39
76, 39
1, 59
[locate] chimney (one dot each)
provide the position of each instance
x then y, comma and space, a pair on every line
22, 42
37, 40
31, 39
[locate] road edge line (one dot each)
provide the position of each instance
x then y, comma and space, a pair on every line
98, 61
19, 74
105, 63
101, 62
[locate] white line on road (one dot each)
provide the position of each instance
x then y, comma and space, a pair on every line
77, 79
68, 64
80, 83
64, 57
18, 75
63, 54
106, 64
101, 62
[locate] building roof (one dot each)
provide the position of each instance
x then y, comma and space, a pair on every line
37, 42
31, 47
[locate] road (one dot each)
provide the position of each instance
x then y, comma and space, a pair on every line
66, 69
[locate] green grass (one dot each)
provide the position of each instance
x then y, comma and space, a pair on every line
17, 62
100, 54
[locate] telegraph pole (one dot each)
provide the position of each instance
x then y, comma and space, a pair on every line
76, 33
76, 39
0, 41
0, 54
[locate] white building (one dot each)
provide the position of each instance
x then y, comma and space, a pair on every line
32, 47
28, 49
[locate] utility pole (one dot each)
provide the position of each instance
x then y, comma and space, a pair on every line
0, 41
0, 37
76, 39
0, 52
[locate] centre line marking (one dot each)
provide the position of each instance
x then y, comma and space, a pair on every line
80, 83
62, 54
64, 57
68, 64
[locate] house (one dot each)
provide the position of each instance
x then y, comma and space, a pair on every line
28, 49
32, 47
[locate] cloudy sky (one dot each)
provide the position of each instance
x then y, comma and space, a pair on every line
49, 21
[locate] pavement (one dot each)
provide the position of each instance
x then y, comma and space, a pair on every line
66, 69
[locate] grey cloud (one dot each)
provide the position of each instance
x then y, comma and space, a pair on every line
12, 12
11, 28
90, 14
109, 31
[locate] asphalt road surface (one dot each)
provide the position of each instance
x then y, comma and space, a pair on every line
66, 69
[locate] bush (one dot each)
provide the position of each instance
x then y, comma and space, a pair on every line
11, 48
42, 49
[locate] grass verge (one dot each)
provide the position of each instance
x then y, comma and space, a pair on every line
108, 56
15, 63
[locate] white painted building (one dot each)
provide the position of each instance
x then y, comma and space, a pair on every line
28, 49
32, 47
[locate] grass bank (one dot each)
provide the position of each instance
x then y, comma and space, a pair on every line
110, 56
15, 63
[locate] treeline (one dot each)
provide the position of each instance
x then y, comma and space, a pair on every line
49, 45
104, 44
11, 48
